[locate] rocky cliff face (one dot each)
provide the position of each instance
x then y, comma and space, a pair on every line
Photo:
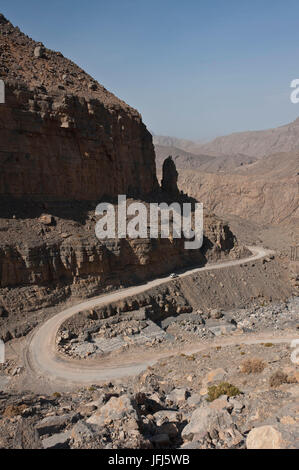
62, 135
34, 252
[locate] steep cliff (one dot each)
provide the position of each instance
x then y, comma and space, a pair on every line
63, 135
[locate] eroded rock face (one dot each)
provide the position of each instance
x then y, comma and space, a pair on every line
63, 135
70, 147
41, 254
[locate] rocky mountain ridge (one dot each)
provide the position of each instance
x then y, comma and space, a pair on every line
265, 192
249, 143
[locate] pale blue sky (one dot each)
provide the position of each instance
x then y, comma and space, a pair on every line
194, 68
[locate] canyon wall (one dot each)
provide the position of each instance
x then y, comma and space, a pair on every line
62, 134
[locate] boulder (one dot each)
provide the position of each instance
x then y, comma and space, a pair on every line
81, 432
220, 404
46, 219
264, 437
39, 51
214, 375
117, 408
195, 400
178, 395
205, 419
54, 424
167, 416
223, 329
57, 441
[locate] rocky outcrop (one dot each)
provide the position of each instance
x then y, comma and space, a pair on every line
170, 177
67, 253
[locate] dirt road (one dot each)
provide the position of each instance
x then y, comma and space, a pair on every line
43, 359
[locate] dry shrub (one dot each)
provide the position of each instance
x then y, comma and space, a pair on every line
279, 377
13, 410
224, 388
252, 366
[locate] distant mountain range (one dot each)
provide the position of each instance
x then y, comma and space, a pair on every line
251, 143
182, 144
252, 174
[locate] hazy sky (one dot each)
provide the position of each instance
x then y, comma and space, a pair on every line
193, 68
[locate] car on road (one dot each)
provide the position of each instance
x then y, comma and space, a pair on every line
174, 275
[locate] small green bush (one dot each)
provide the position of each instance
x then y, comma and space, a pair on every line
224, 388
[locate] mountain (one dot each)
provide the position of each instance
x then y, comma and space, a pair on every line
251, 143
251, 174
265, 192
182, 144
62, 134
208, 163
182, 158
257, 143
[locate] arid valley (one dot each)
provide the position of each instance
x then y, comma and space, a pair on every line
139, 343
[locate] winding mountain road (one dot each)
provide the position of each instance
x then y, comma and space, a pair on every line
44, 360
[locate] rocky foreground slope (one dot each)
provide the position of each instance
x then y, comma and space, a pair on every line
230, 394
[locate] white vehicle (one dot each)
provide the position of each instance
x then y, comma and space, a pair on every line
174, 275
